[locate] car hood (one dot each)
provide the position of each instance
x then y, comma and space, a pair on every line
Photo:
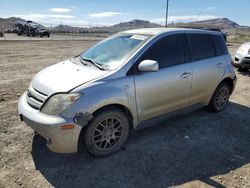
63, 77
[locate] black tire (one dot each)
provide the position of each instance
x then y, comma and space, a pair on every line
220, 98
107, 132
242, 69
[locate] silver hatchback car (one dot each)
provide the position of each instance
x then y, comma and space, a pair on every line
131, 80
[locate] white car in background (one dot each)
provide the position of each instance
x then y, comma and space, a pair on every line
242, 57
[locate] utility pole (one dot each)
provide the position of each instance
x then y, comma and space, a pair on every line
166, 24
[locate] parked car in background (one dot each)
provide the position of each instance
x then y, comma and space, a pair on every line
131, 80
30, 28
242, 57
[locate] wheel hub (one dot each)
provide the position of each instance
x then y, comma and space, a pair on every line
108, 134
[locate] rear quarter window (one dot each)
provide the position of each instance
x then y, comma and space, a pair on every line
220, 45
202, 46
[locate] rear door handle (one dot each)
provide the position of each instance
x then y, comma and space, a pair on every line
186, 74
219, 65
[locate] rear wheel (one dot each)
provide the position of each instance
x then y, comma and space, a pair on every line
220, 98
107, 132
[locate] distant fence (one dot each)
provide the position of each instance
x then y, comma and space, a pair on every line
89, 34
237, 36
57, 36
62, 32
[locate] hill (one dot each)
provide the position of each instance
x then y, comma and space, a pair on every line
221, 23
67, 28
134, 24
9, 23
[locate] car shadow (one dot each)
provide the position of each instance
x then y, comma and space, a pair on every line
196, 146
245, 73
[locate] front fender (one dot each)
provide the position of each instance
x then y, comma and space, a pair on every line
102, 95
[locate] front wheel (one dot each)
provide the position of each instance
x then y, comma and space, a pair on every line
220, 98
107, 132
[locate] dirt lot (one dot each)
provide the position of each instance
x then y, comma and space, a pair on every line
197, 150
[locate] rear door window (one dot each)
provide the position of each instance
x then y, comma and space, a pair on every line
220, 45
202, 46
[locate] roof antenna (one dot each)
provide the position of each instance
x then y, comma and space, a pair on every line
198, 15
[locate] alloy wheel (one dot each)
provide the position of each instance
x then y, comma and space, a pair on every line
107, 133
221, 98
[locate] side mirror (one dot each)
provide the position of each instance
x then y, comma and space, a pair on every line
148, 66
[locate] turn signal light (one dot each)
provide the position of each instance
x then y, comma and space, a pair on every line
66, 127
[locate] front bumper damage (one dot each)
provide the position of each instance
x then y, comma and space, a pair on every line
50, 127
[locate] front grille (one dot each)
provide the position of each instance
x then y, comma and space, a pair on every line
35, 98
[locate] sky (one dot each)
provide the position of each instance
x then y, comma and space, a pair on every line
108, 12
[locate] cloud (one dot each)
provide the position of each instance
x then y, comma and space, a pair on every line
210, 8
54, 19
74, 7
105, 14
34, 17
187, 18
60, 10
61, 16
43, 17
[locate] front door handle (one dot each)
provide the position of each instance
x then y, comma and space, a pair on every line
186, 74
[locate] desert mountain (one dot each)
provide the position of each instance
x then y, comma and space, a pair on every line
9, 23
221, 23
115, 28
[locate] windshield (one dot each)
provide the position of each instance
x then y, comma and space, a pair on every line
114, 51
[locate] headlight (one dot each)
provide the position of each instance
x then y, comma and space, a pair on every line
58, 103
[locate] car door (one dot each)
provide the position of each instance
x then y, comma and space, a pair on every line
208, 68
168, 89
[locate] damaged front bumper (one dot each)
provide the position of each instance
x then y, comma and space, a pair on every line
51, 127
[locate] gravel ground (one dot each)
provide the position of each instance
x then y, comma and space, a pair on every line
200, 149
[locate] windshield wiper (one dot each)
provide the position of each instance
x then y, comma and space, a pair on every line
96, 64
80, 59
82, 62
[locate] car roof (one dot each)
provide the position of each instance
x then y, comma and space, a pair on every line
161, 30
